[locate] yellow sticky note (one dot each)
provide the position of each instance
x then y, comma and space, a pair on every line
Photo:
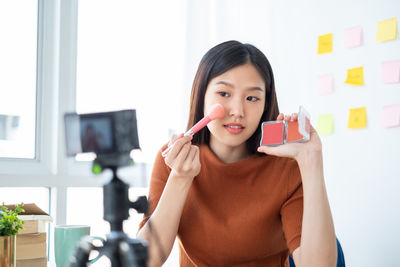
325, 124
355, 76
325, 43
387, 30
357, 118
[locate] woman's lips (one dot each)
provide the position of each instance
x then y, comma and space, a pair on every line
234, 128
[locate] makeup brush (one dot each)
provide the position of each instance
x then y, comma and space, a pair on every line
216, 112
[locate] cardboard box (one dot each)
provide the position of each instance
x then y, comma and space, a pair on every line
35, 219
31, 246
31, 242
31, 227
41, 262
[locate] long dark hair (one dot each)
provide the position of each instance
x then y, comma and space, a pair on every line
215, 62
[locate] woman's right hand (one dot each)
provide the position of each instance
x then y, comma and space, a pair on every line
183, 158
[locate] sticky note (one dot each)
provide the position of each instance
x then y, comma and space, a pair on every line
391, 116
387, 30
325, 43
353, 37
391, 71
325, 84
325, 124
355, 76
357, 118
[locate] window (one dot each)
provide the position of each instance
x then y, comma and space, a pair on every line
91, 211
16, 195
130, 56
121, 54
18, 78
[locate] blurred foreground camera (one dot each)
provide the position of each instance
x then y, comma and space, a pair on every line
111, 135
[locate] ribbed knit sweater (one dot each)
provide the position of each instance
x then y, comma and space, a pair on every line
246, 213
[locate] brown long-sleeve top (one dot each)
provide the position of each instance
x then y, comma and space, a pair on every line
246, 213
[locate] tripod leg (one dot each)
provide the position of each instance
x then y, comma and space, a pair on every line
81, 256
127, 254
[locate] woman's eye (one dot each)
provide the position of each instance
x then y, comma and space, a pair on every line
252, 98
224, 94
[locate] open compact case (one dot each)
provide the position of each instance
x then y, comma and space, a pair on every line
275, 133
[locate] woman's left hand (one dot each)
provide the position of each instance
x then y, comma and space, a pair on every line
296, 151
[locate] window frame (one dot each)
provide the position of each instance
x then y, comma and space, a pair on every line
56, 70
55, 94
41, 164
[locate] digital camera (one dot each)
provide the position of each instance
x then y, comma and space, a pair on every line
106, 133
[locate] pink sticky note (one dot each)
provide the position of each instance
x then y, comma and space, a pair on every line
325, 84
391, 116
391, 71
353, 37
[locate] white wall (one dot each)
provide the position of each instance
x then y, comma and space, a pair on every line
361, 166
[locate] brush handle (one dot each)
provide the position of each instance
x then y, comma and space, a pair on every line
165, 152
197, 127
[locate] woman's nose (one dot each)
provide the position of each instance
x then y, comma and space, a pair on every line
236, 108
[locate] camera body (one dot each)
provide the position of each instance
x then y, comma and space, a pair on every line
102, 133
110, 135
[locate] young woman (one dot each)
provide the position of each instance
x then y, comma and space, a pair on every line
229, 201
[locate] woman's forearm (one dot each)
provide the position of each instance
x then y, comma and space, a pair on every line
165, 219
318, 240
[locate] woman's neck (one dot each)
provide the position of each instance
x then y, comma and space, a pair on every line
229, 154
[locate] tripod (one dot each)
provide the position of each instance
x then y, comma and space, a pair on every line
118, 247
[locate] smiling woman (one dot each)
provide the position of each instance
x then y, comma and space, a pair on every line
254, 82
240, 90
201, 190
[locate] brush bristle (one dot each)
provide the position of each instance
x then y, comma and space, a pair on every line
216, 112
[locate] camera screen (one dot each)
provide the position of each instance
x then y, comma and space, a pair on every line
103, 133
96, 134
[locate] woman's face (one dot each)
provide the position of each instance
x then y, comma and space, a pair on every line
241, 91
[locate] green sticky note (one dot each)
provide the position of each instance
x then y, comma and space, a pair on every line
325, 124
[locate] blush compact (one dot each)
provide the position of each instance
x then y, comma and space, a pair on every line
275, 133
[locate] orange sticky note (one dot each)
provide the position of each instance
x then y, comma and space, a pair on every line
355, 76
357, 118
325, 43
